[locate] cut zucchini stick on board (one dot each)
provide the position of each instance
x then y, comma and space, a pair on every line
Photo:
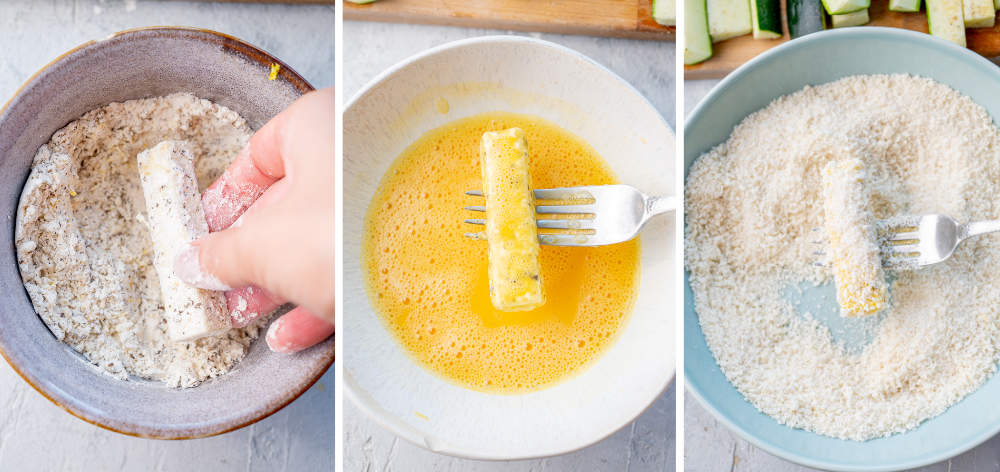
850, 228
840, 7
766, 18
857, 18
697, 43
906, 6
805, 16
946, 20
996, 4
175, 216
665, 12
979, 13
511, 233
728, 19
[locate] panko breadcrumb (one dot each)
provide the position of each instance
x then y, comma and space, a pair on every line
752, 203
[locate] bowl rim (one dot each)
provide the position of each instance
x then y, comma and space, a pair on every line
707, 102
285, 73
351, 389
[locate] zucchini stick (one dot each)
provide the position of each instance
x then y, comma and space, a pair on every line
945, 20
804, 17
850, 227
728, 19
511, 232
766, 19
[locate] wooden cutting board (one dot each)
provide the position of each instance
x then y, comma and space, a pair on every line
616, 18
327, 2
730, 54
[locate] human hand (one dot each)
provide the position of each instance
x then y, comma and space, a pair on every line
271, 220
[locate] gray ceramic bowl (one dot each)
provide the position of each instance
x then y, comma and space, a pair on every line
136, 64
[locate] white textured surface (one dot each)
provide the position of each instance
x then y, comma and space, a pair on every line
36, 434
711, 447
647, 443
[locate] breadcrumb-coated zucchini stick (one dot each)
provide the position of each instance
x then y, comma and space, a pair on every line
850, 228
176, 218
514, 271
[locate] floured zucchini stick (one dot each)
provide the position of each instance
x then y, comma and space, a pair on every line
175, 217
514, 272
854, 250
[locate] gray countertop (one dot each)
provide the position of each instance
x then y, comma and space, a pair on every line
36, 434
710, 447
647, 444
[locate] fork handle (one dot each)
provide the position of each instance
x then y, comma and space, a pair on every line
981, 227
657, 205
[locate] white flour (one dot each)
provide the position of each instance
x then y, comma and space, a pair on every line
752, 203
85, 253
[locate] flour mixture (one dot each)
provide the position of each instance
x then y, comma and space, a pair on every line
751, 205
85, 251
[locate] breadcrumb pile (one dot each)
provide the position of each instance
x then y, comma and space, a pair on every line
752, 203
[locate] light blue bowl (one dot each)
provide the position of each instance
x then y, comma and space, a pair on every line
816, 59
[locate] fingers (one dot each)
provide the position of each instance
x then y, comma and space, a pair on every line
232, 193
237, 255
297, 330
246, 304
268, 218
188, 268
218, 261
258, 166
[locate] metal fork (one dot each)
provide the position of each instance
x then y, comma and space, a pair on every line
593, 215
910, 242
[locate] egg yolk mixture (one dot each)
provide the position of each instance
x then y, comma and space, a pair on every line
429, 282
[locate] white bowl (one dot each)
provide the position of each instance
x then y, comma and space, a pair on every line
515, 74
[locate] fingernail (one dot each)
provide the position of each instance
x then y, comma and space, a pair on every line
188, 269
274, 341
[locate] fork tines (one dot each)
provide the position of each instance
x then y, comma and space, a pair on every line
567, 214
899, 241
899, 235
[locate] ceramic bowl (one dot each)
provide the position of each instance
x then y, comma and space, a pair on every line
811, 60
128, 65
523, 75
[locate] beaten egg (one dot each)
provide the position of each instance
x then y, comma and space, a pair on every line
429, 283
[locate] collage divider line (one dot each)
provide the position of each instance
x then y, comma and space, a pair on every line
679, 119
338, 233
